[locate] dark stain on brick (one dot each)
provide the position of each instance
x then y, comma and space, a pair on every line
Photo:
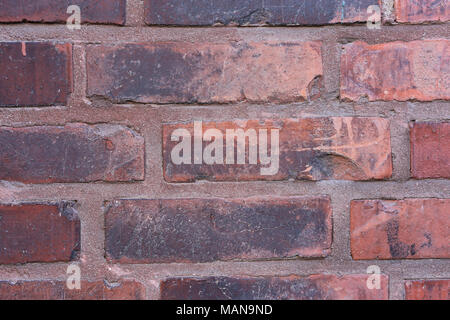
317, 287
75, 153
182, 72
57, 290
201, 230
39, 232
255, 12
55, 11
34, 74
159, 72
397, 248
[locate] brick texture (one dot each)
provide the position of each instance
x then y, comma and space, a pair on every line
255, 12
205, 72
401, 229
57, 290
92, 11
311, 149
430, 152
205, 230
416, 70
35, 73
73, 153
418, 11
38, 233
316, 287
427, 290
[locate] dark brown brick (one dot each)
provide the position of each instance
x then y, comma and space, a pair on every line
38, 233
73, 153
92, 11
418, 11
256, 12
311, 148
35, 73
416, 70
427, 290
430, 151
205, 230
57, 290
205, 72
316, 287
400, 229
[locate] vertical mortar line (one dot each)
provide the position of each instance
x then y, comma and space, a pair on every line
135, 13
92, 259
340, 204
396, 286
400, 142
78, 95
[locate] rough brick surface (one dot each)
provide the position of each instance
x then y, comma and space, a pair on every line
35, 73
416, 70
418, 11
256, 12
38, 233
204, 230
57, 290
73, 153
427, 290
401, 229
430, 151
316, 287
205, 72
92, 11
311, 148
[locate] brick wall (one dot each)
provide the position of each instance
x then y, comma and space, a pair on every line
101, 130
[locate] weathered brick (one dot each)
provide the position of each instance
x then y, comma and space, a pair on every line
400, 229
430, 152
92, 11
416, 70
57, 290
35, 73
37, 232
310, 148
205, 230
418, 11
256, 12
427, 290
316, 287
205, 72
73, 153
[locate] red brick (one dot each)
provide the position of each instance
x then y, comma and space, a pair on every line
205, 72
400, 229
205, 230
73, 153
427, 290
430, 152
416, 70
316, 287
35, 73
310, 148
92, 11
57, 290
418, 11
38, 233
255, 12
